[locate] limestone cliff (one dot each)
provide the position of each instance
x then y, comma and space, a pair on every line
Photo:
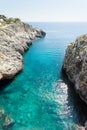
75, 65
15, 38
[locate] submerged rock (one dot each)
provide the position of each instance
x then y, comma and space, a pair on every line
8, 122
75, 65
1, 113
15, 39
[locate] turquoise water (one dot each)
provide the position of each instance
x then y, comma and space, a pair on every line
41, 98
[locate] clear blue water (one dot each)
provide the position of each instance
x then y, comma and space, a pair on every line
40, 97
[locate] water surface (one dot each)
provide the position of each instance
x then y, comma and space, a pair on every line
41, 98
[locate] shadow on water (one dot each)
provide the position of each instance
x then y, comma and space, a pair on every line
79, 107
5, 83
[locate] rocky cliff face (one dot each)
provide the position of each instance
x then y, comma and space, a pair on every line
15, 39
75, 65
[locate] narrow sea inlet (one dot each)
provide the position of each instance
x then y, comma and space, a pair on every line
40, 97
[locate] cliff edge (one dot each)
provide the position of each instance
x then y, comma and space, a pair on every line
75, 65
15, 39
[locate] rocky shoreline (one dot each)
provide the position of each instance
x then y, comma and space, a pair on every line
75, 66
15, 38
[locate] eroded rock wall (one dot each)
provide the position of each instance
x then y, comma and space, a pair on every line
75, 65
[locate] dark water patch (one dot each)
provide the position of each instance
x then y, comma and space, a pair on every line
4, 83
73, 98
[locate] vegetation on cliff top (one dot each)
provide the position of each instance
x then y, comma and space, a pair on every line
4, 20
